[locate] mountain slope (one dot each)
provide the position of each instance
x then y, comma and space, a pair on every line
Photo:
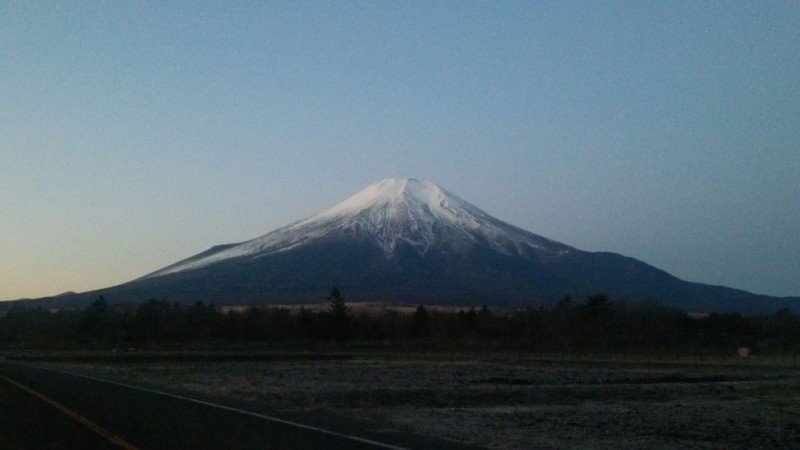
389, 213
402, 240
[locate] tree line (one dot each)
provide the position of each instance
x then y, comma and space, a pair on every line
595, 325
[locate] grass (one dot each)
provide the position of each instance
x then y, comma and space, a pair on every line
506, 400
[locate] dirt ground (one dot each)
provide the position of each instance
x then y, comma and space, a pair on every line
519, 403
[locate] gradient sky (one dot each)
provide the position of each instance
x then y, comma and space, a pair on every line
135, 134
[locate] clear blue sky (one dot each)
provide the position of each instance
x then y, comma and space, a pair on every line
135, 134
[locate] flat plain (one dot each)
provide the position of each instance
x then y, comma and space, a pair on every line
513, 401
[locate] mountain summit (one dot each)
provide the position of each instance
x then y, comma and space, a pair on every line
410, 241
414, 213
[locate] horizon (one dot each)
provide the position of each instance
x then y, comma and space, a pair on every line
355, 203
137, 135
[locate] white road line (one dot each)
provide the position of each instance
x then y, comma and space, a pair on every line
109, 436
227, 408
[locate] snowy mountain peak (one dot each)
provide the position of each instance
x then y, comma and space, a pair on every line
400, 196
392, 212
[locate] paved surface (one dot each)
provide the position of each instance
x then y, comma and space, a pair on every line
29, 423
46, 409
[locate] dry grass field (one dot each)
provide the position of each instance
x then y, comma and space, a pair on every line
518, 402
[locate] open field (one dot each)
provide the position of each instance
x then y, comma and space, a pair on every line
515, 401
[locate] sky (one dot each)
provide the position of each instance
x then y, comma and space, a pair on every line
136, 134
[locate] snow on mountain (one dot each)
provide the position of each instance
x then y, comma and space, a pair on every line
412, 242
390, 212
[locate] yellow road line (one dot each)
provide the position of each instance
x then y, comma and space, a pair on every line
226, 408
111, 437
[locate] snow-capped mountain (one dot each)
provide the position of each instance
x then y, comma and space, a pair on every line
411, 241
415, 213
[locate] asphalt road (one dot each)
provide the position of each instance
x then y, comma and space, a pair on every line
47, 409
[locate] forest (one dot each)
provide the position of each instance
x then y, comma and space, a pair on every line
594, 325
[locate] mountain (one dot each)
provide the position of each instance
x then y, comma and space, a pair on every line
396, 216
410, 241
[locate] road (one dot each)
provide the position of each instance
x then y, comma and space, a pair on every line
42, 408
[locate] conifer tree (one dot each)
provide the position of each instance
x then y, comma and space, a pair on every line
339, 315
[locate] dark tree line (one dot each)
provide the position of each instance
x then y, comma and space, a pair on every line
596, 325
